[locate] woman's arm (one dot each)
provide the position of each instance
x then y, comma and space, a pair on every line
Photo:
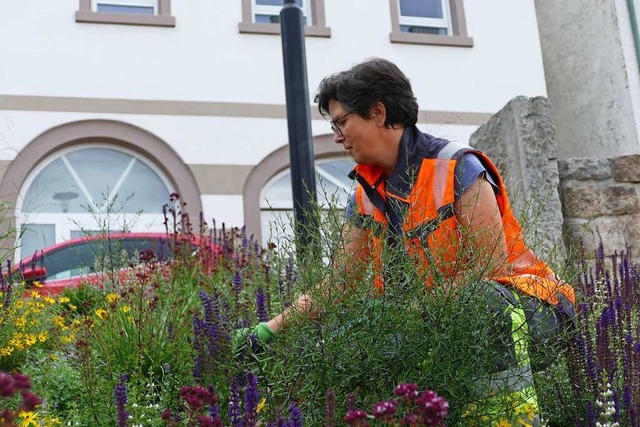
354, 254
481, 228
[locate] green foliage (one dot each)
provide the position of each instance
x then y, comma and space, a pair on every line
169, 325
56, 380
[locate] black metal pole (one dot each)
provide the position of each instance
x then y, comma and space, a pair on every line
303, 180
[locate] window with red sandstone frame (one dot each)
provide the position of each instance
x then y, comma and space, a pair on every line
126, 12
263, 17
434, 22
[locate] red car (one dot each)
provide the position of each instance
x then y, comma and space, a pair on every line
84, 259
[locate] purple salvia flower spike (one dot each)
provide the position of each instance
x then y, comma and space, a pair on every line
234, 412
120, 393
251, 399
261, 307
295, 416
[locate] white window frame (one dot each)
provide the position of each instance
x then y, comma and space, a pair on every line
66, 222
257, 9
417, 21
266, 204
133, 3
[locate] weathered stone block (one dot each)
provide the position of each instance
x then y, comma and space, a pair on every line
620, 200
578, 234
581, 202
627, 168
520, 139
585, 169
632, 233
610, 231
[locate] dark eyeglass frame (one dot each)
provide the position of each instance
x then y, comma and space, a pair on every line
334, 123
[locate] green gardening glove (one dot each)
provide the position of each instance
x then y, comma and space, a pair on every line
252, 338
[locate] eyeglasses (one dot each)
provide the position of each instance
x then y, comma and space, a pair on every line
334, 124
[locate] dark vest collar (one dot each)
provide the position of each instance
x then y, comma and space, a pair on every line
414, 147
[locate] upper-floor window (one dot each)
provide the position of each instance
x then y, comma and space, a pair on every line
128, 12
426, 16
439, 22
263, 17
143, 7
268, 11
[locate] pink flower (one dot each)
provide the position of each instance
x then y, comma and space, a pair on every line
384, 410
407, 390
433, 407
356, 417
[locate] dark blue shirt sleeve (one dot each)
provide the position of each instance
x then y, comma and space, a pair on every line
468, 170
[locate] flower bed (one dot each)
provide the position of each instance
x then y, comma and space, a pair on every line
159, 342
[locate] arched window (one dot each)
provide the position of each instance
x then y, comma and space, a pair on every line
333, 187
88, 189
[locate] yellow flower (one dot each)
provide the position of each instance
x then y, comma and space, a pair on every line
503, 423
43, 336
6, 351
62, 300
28, 419
72, 307
101, 313
125, 309
17, 341
50, 300
261, 405
66, 339
37, 284
112, 297
58, 321
30, 340
21, 322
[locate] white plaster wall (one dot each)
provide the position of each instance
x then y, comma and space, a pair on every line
197, 140
45, 52
587, 78
227, 209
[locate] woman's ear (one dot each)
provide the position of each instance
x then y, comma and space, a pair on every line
379, 113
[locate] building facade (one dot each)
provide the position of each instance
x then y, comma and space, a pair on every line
108, 106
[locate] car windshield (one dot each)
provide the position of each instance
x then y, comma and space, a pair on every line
100, 255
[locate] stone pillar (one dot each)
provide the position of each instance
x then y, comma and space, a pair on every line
520, 139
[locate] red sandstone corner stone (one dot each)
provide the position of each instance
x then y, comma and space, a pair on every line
627, 168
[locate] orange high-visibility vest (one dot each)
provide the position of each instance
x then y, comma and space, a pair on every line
429, 226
